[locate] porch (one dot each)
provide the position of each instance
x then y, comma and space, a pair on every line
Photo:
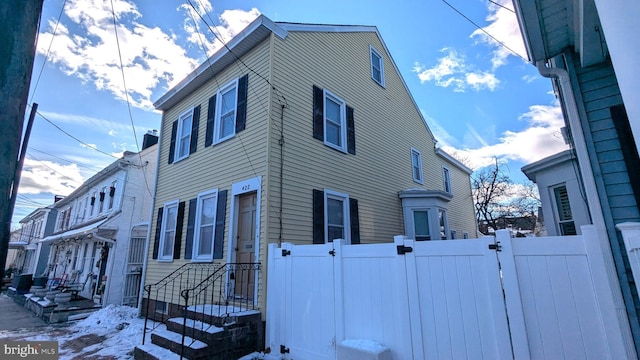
54, 307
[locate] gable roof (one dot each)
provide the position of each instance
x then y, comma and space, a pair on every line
250, 37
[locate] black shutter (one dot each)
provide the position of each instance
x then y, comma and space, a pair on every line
172, 146
177, 244
241, 111
318, 216
195, 125
221, 212
628, 148
354, 220
318, 114
211, 118
191, 221
156, 239
351, 132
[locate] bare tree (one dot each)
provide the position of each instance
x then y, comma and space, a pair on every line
497, 199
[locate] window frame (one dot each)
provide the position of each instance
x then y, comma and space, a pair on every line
417, 166
446, 180
111, 198
195, 256
334, 195
328, 95
184, 117
374, 52
413, 220
163, 231
558, 214
232, 85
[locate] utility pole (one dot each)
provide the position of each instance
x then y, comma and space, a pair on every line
19, 21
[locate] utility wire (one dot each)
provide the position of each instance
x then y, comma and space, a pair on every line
502, 6
46, 56
485, 31
126, 92
75, 138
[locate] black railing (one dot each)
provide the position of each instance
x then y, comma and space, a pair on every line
163, 298
229, 290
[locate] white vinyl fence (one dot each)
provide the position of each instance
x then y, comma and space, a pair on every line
447, 299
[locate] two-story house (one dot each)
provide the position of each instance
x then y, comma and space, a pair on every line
100, 229
32, 255
295, 133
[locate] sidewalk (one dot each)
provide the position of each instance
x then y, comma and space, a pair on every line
14, 316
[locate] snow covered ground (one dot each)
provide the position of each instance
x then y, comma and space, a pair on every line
108, 334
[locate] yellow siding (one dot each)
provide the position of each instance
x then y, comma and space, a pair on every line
387, 125
461, 214
217, 166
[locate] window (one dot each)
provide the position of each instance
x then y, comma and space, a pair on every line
183, 140
93, 203
416, 165
227, 112
377, 66
446, 179
336, 216
112, 193
205, 226
565, 217
442, 223
334, 122
168, 230
421, 225
101, 205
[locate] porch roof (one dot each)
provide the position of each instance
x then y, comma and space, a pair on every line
91, 229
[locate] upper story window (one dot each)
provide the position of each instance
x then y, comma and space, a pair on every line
93, 204
446, 180
565, 216
416, 166
333, 121
112, 193
227, 112
101, 205
183, 141
377, 66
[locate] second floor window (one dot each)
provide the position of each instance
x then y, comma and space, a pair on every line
416, 166
446, 179
333, 121
377, 66
183, 141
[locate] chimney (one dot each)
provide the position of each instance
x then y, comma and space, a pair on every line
150, 139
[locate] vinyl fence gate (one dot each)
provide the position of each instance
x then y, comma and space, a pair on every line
487, 298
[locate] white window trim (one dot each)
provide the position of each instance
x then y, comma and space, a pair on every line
195, 257
330, 194
446, 180
343, 120
419, 180
379, 55
163, 229
412, 230
218, 117
181, 118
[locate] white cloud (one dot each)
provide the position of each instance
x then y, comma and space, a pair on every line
503, 28
49, 177
452, 71
541, 139
153, 60
89, 146
442, 136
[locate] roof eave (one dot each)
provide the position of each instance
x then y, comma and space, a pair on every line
527, 13
242, 43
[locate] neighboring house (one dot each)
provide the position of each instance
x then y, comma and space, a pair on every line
519, 226
561, 193
32, 255
589, 49
297, 133
100, 229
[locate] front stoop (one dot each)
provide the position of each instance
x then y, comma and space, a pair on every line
237, 336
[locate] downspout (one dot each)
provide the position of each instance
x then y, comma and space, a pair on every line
281, 142
595, 208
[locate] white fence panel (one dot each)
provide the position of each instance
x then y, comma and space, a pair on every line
460, 300
375, 302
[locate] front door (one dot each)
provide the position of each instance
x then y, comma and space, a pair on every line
245, 246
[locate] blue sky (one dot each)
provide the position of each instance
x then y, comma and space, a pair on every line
479, 99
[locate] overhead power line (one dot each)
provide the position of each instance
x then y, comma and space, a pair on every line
485, 31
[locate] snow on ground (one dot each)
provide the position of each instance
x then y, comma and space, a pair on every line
109, 333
